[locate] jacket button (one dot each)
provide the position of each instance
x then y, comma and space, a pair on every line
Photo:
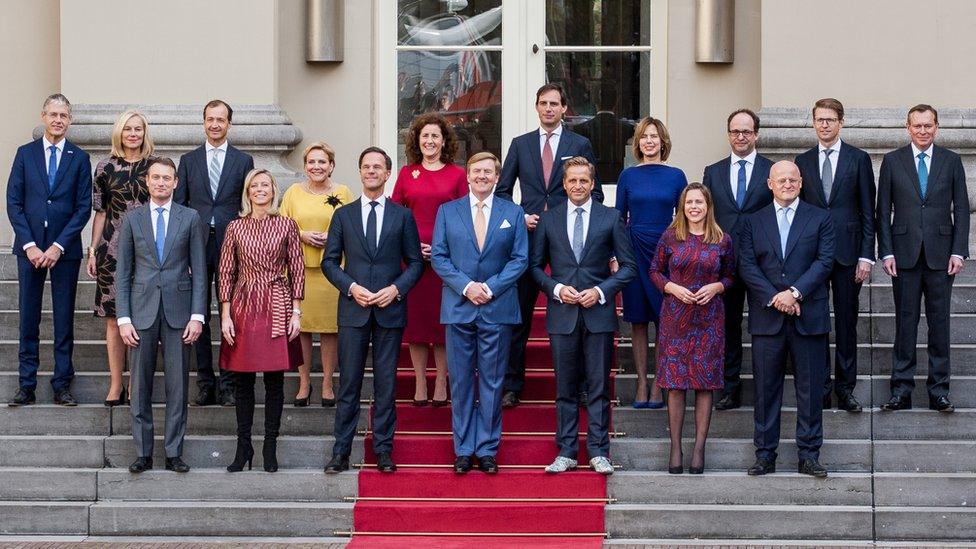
50, 202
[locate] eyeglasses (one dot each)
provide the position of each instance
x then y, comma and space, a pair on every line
786, 181
742, 133
826, 121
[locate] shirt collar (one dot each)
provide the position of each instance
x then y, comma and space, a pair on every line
473, 200
750, 158
586, 206
835, 147
928, 151
166, 206
222, 147
47, 144
365, 200
556, 132
792, 205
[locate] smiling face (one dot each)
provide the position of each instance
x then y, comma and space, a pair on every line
431, 141
785, 182
56, 119
133, 134
551, 109
318, 168
261, 190
161, 181
482, 177
742, 135
695, 208
650, 144
922, 127
216, 122
373, 172
578, 184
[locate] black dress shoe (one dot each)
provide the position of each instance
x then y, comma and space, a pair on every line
23, 397
848, 403
65, 398
328, 402
337, 465
177, 465
510, 399
384, 463
227, 399
488, 465
941, 404
762, 467
206, 397
462, 464
729, 401
582, 399
812, 467
141, 465
897, 403
826, 401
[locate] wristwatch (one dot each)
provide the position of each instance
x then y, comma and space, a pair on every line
795, 293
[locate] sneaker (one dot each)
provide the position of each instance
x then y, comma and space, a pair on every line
561, 465
601, 465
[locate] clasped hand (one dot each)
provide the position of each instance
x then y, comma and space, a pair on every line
585, 298
477, 293
703, 296
785, 303
380, 298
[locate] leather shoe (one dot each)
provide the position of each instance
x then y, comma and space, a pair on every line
227, 399
384, 463
177, 465
941, 404
510, 399
729, 401
762, 467
488, 464
582, 399
462, 464
65, 398
23, 397
337, 465
141, 465
812, 467
848, 403
897, 403
206, 397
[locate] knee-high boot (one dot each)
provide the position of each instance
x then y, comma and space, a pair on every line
244, 406
274, 399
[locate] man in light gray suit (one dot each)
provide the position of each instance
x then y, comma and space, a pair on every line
161, 297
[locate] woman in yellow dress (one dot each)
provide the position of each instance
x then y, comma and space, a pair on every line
311, 204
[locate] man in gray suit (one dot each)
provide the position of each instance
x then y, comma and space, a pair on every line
161, 290
576, 239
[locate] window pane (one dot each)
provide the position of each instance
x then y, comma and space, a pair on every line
449, 22
465, 87
597, 22
608, 92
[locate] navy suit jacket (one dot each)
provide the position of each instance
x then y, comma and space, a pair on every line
807, 265
851, 203
193, 189
728, 214
456, 259
47, 215
524, 162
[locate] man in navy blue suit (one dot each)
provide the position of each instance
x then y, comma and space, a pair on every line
480, 249
536, 159
48, 202
786, 256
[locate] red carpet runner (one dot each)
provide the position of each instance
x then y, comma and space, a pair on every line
424, 504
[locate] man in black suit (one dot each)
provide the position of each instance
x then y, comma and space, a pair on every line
576, 239
211, 182
535, 159
738, 187
839, 178
786, 256
373, 256
923, 244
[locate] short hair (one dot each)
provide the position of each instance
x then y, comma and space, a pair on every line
386, 157
551, 86
147, 147
412, 142
829, 103
57, 99
753, 115
662, 132
246, 201
483, 155
920, 108
579, 162
218, 103
319, 146
163, 160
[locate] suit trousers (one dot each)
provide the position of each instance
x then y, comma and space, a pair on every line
769, 355
64, 285
354, 344
207, 378
176, 367
909, 287
734, 299
476, 359
528, 294
845, 294
590, 354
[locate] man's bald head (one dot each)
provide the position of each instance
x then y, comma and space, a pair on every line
785, 182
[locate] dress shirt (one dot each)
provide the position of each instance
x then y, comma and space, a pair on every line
734, 170
59, 147
790, 215
570, 223
473, 201
553, 143
211, 151
833, 157
364, 209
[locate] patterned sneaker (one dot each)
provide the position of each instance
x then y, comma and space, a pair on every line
601, 465
561, 465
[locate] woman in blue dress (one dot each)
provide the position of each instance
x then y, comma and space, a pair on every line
647, 195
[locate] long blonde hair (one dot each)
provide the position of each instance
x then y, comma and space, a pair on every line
713, 233
147, 148
246, 202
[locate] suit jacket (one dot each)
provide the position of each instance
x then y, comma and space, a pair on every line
940, 221
524, 162
456, 259
727, 213
397, 261
851, 203
605, 238
807, 265
46, 215
193, 189
141, 280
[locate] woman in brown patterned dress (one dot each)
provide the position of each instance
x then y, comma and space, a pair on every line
120, 186
261, 284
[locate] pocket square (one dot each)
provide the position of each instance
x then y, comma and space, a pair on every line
505, 224
565, 157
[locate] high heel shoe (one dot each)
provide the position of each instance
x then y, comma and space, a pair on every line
329, 402
244, 455
302, 402
439, 403
677, 470
118, 401
270, 454
692, 470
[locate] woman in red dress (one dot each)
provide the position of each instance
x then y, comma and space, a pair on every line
428, 180
261, 286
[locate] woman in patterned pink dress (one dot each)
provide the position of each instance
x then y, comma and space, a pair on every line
694, 263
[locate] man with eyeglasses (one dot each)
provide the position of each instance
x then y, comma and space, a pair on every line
840, 179
922, 245
737, 184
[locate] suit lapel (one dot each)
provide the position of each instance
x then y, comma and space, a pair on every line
66, 157
596, 223
843, 166
726, 186
38, 154
936, 163
560, 151
463, 210
389, 213
751, 185
229, 159
357, 224
817, 181
800, 220
772, 229
908, 164
536, 152
145, 225
493, 221
203, 173
175, 222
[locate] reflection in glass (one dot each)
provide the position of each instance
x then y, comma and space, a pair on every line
597, 22
449, 22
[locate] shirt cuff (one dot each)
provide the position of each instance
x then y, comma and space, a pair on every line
198, 318
487, 289
866, 260
464, 292
349, 291
123, 320
30, 244
887, 257
599, 291
60, 247
556, 290
959, 256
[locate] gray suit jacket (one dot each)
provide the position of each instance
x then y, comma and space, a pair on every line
141, 281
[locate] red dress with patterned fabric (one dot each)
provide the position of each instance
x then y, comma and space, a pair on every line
261, 271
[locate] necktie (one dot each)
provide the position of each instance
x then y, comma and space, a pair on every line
214, 172
740, 184
578, 235
52, 167
784, 228
923, 174
547, 160
480, 225
371, 227
160, 233
827, 175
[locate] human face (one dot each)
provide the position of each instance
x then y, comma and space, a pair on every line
431, 142
133, 133
482, 177
785, 182
695, 206
650, 143
828, 125
318, 168
551, 109
261, 190
161, 181
373, 173
578, 184
922, 127
56, 119
216, 122
742, 135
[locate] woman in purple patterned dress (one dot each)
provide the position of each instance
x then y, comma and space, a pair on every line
694, 263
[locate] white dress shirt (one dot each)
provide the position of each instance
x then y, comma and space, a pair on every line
833, 157
211, 150
790, 214
473, 201
570, 224
47, 159
734, 170
364, 208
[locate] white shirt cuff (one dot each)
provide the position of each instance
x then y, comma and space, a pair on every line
198, 318
123, 320
487, 290
30, 244
959, 256
866, 260
599, 291
887, 257
60, 247
556, 290
349, 291
464, 292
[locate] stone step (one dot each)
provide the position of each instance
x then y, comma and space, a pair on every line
51, 419
626, 387
736, 423
925, 489
52, 451
924, 456
963, 299
925, 523
922, 424
219, 420
962, 328
47, 484
44, 517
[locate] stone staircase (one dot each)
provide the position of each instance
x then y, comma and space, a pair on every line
906, 475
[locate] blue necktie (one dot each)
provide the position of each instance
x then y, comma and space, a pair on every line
923, 174
160, 233
740, 184
52, 167
784, 229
